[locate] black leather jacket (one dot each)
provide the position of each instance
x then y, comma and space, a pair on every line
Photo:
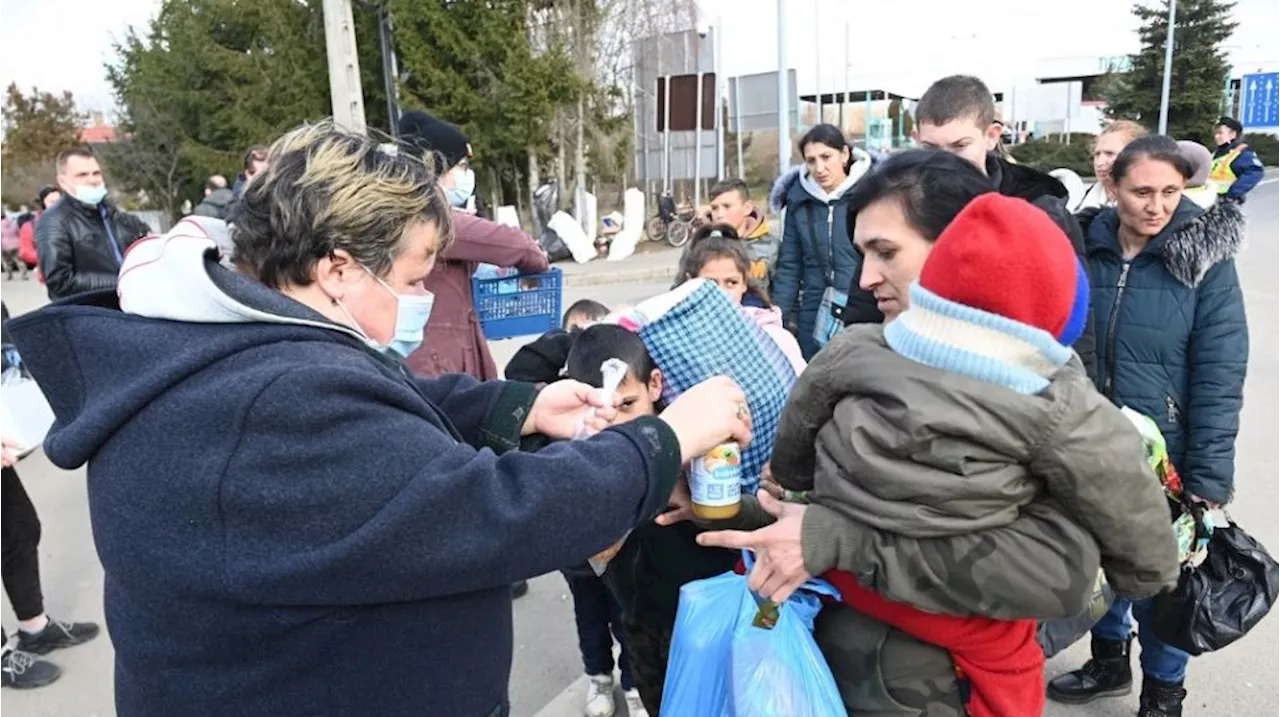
73, 244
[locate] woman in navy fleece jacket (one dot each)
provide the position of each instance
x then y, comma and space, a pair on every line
289, 523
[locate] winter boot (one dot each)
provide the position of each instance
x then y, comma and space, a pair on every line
1108, 674
1160, 699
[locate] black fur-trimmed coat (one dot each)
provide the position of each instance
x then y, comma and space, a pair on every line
1172, 338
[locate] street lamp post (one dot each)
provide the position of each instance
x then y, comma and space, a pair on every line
1168, 68
784, 91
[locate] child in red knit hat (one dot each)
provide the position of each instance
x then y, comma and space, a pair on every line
963, 413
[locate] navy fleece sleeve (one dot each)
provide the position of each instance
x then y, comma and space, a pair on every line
487, 415
1219, 356
344, 491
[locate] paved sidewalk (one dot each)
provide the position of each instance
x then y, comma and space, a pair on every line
652, 262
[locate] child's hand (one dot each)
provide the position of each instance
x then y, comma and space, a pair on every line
8, 446
769, 485
681, 505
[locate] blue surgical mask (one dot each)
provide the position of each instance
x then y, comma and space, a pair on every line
91, 195
412, 313
464, 186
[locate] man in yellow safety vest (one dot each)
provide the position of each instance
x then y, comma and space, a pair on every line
1236, 169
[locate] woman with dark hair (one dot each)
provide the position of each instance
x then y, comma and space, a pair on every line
1172, 344
265, 472
1040, 565
816, 263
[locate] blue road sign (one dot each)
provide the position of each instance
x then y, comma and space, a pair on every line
1260, 101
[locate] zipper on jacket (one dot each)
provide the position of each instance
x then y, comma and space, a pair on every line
831, 250
1172, 406
1108, 387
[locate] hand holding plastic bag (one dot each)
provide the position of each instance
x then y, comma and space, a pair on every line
723, 665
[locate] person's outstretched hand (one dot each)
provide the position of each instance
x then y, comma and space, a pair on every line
707, 415
560, 409
779, 568
7, 448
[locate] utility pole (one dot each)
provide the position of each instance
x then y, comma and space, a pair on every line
389, 70
1168, 68
784, 92
344, 65
721, 84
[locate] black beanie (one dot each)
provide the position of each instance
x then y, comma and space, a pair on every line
1231, 124
423, 133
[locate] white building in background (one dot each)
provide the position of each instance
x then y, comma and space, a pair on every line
1060, 97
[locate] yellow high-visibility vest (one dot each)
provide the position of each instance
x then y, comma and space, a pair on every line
1220, 175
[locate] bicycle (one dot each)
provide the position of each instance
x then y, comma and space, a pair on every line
674, 227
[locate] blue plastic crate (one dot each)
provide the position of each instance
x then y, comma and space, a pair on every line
518, 305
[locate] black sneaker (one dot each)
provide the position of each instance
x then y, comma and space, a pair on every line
56, 635
22, 670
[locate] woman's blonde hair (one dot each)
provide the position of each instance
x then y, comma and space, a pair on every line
325, 189
1129, 128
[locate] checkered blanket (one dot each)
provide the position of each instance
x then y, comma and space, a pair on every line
696, 332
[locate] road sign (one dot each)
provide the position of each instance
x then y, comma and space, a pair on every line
1260, 106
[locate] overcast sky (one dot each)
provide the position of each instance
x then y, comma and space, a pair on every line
892, 43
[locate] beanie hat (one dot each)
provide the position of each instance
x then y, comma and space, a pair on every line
1000, 298
424, 134
1201, 160
1231, 123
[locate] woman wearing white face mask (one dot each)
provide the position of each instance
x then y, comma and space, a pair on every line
455, 342
289, 523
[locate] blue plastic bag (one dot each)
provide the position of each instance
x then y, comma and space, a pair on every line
722, 666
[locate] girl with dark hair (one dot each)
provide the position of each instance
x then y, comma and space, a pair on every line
717, 255
1173, 345
816, 263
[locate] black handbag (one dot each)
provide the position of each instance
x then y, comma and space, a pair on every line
1218, 601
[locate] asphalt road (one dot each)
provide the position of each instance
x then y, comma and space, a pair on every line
1241, 681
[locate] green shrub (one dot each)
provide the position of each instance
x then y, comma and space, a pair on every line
1266, 146
1049, 154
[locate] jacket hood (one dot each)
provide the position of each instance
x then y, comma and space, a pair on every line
1193, 243
220, 197
1021, 181
863, 161
760, 316
101, 357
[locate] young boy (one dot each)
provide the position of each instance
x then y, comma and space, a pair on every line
542, 361
655, 561
596, 612
731, 204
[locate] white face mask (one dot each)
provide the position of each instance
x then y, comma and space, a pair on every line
464, 186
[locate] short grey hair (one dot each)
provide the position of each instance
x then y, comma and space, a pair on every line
326, 189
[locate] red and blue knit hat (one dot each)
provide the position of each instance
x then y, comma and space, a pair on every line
1001, 297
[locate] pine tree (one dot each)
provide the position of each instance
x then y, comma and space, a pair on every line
1199, 68
208, 79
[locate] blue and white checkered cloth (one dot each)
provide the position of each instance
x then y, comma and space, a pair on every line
704, 335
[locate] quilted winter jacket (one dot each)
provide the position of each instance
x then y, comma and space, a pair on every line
1172, 339
816, 250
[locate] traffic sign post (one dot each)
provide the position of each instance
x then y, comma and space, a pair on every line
1260, 100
